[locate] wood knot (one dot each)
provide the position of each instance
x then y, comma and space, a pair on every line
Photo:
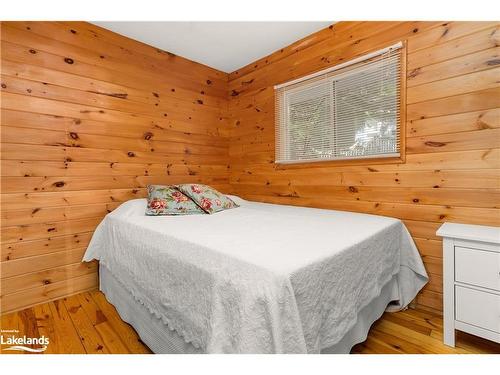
51, 229
234, 93
482, 125
435, 144
68, 60
32, 51
46, 282
209, 82
414, 73
148, 136
130, 154
199, 101
4, 86
156, 95
59, 184
415, 30
352, 189
493, 62
74, 135
416, 200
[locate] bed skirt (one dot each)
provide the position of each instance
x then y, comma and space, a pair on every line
161, 340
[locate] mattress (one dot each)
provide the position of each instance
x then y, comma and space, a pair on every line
163, 340
260, 278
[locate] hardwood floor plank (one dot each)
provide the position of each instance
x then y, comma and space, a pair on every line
64, 329
111, 339
402, 346
28, 326
130, 338
90, 338
410, 324
417, 338
375, 345
425, 318
47, 327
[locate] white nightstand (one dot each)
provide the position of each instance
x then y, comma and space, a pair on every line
471, 280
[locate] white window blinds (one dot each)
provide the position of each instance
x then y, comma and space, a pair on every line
348, 111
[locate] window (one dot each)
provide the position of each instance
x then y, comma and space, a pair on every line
349, 111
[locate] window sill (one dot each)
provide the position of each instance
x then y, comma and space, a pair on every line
339, 163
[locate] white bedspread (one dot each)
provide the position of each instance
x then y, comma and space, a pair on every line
261, 278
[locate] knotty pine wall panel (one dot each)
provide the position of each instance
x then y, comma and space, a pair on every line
452, 163
89, 118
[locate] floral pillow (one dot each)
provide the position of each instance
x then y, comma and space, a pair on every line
166, 200
209, 199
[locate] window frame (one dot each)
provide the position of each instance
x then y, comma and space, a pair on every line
370, 159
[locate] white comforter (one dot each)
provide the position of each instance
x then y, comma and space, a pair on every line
261, 278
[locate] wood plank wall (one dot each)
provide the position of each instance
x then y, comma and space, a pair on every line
453, 137
88, 119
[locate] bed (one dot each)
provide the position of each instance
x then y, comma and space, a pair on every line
261, 278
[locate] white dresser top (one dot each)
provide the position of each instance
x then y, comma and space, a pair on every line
470, 232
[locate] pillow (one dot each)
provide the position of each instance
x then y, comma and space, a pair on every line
166, 200
209, 199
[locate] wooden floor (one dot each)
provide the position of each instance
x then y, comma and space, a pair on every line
87, 323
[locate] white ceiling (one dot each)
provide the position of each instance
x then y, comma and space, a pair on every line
226, 46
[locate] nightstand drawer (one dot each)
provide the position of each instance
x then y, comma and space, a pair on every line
477, 267
478, 308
